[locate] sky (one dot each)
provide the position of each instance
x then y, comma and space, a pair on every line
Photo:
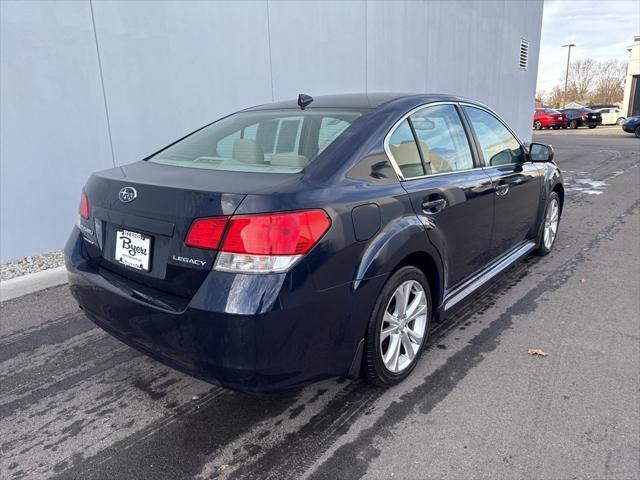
601, 29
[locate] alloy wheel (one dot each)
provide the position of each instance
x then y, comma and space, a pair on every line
403, 326
551, 223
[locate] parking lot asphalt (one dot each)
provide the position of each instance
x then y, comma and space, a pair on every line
76, 403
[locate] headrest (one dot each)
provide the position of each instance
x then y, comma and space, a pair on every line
247, 150
405, 153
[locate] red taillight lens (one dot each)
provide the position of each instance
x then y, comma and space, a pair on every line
584, 116
289, 233
83, 209
206, 232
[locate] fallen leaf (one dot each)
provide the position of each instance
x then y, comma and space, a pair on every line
536, 351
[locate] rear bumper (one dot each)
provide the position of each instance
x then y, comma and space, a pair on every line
254, 333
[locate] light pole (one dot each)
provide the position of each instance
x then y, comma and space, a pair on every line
566, 75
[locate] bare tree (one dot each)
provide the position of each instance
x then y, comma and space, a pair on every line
582, 74
554, 97
589, 82
609, 83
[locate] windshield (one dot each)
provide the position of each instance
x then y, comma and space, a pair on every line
551, 110
270, 141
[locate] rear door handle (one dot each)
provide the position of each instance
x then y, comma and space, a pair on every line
502, 189
434, 206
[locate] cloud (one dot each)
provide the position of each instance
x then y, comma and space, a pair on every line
602, 30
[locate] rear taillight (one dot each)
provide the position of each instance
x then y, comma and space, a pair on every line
584, 116
206, 232
290, 233
83, 209
263, 243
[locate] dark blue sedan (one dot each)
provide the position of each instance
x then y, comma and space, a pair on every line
632, 125
307, 239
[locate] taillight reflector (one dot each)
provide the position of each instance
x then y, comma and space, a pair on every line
206, 232
287, 233
83, 209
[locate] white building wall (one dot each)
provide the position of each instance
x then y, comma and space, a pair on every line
88, 85
633, 70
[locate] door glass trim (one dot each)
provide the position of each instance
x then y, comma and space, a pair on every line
467, 129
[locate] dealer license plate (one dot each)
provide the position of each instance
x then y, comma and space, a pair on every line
133, 249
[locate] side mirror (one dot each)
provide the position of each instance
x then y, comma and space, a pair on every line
539, 152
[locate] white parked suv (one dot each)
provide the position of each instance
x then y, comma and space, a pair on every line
611, 116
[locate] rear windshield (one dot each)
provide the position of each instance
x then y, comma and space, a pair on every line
270, 141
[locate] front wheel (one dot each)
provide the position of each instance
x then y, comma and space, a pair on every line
398, 327
537, 125
592, 126
573, 124
550, 227
620, 121
556, 127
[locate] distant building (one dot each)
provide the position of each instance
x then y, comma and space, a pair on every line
631, 102
573, 105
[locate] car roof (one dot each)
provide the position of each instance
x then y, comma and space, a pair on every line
363, 101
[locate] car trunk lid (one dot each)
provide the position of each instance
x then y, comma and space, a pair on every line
141, 213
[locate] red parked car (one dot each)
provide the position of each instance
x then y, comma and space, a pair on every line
549, 118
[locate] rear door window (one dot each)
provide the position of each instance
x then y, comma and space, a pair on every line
404, 150
442, 139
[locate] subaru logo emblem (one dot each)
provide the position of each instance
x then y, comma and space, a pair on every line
127, 194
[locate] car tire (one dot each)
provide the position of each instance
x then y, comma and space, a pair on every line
573, 124
556, 127
537, 125
637, 131
390, 330
548, 233
620, 121
592, 126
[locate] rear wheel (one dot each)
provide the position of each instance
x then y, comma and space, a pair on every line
620, 121
398, 327
537, 125
550, 227
592, 126
573, 124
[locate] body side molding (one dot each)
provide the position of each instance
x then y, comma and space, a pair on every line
487, 274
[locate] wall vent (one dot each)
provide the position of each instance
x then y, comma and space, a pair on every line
524, 54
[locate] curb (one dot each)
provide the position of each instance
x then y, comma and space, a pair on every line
32, 282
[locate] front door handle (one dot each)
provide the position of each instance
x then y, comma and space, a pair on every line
434, 206
502, 189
